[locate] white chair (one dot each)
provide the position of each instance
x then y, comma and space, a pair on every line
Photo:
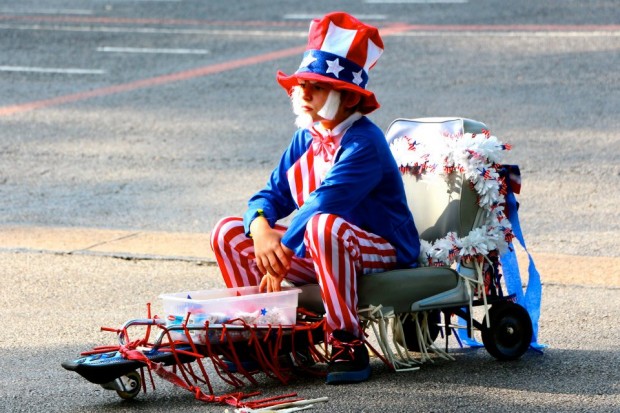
403, 306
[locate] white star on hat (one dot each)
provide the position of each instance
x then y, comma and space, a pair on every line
308, 60
357, 77
333, 66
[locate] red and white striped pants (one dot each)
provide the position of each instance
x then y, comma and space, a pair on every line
337, 252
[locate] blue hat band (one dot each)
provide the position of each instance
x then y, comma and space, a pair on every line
333, 66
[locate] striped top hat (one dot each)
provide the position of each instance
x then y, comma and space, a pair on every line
340, 51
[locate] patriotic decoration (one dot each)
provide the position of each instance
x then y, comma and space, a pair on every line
478, 158
341, 50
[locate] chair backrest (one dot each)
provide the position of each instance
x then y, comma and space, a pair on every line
439, 203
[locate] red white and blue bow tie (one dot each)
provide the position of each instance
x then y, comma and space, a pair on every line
323, 144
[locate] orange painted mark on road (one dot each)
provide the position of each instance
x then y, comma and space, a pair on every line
151, 21
164, 79
392, 29
150, 82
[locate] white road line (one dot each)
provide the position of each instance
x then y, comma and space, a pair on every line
140, 1
593, 33
112, 49
79, 12
308, 16
415, 1
66, 71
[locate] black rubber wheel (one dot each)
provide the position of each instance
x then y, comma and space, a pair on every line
510, 332
410, 330
128, 386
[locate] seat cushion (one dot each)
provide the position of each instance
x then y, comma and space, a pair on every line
399, 289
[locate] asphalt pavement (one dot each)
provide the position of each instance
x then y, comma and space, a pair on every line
55, 304
128, 128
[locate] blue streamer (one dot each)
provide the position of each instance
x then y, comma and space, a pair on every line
533, 294
532, 297
465, 339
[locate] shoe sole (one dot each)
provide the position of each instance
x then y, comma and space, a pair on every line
247, 365
341, 377
106, 367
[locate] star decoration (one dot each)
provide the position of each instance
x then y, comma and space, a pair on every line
333, 66
263, 311
307, 61
357, 77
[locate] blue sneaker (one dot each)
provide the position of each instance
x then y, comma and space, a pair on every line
247, 365
349, 361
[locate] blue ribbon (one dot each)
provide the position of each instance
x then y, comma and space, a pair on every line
532, 297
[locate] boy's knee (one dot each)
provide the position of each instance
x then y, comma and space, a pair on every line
223, 227
321, 222
323, 226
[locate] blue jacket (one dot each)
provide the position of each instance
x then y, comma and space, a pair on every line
364, 187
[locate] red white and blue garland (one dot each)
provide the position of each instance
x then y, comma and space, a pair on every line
478, 158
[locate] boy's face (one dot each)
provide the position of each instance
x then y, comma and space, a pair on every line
313, 96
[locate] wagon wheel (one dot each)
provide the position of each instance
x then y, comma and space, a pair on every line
510, 332
410, 330
128, 386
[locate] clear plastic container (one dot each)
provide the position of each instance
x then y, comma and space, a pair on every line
223, 305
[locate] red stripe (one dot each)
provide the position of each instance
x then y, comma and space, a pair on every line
301, 274
299, 181
228, 252
348, 287
325, 239
317, 34
316, 249
219, 251
359, 49
233, 271
313, 178
304, 179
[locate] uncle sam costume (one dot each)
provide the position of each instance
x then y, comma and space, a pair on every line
351, 214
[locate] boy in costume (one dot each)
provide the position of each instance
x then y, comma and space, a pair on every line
339, 176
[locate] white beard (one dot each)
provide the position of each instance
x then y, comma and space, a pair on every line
330, 108
304, 121
328, 111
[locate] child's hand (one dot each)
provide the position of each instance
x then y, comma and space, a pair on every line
270, 283
271, 256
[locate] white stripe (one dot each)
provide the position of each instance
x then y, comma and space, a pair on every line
306, 176
373, 54
338, 40
330, 289
304, 33
349, 269
336, 253
227, 263
234, 242
290, 176
111, 49
68, 71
